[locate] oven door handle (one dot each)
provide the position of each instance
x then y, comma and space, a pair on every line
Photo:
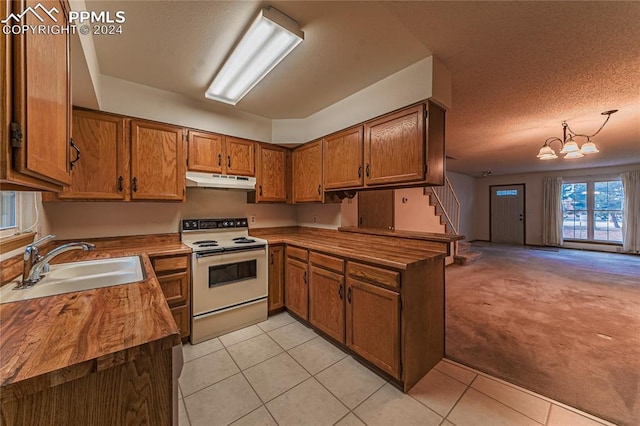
209, 254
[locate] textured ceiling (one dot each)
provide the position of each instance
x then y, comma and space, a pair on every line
518, 68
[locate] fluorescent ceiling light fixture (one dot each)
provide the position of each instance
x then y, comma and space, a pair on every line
269, 39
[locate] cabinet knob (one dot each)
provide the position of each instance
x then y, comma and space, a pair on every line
360, 171
349, 295
219, 160
341, 291
320, 189
120, 179
228, 161
272, 258
260, 190
304, 277
368, 170
134, 184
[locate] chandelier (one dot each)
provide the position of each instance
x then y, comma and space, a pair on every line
568, 145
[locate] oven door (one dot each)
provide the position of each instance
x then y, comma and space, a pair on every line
224, 280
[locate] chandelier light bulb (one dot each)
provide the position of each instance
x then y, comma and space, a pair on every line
546, 151
573, 155
570, 146
589, 148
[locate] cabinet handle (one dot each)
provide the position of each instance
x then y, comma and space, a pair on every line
120, 179
272, 258
349, 295
320, 189
228, 161
75, 160
219, 160
341, 291
304, 277
261, 190
134, 184
367, 170
360, 171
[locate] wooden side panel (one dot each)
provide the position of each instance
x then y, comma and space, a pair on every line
307, 173
326, 302
42, 96
395, 147
296, 288
240, 156
157, 162
435, 145
102, 173
376, 209
373, 325
343, 159
205, 152
271, 174
276, 277
134, 393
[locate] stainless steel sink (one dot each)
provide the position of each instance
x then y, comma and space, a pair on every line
78, 276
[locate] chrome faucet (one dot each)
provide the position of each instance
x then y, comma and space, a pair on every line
35, 265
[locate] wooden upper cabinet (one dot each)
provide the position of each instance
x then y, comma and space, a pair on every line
373, 325
271, 173
239, 156
40, 86
307, 173
157, 161
206, 152
343, 162
102, 172
395, 147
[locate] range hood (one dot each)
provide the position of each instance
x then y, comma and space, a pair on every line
217, 181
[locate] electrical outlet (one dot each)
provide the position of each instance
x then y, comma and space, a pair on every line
315, 218
252, 218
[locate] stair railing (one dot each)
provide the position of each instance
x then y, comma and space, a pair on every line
448, 202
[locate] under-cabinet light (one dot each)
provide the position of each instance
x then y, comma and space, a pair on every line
269, 39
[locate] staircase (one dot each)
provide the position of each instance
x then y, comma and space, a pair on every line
447, 207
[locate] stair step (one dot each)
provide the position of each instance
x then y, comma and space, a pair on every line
467, 257
463, 246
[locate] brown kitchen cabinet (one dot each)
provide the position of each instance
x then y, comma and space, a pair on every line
307, 173
373, 325
271, 174
174, 276
36, 102
326, 295
103, 171
343, 159
297, 282
157, 161
276, 278
214, 153
399, 148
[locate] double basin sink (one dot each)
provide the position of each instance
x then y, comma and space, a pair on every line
77, 276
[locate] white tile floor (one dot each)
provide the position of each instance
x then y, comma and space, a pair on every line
280, 372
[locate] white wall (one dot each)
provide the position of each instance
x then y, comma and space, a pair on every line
319, 215
72, 220
412, 212
136, 100
464, 187
407, 86
533, 198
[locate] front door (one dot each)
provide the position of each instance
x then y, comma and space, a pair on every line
507, 214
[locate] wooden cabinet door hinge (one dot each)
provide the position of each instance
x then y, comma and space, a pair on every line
15, 134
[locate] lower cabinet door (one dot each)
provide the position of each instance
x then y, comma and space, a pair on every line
373, 325
183, 319
296, 288
276, 277
326, 302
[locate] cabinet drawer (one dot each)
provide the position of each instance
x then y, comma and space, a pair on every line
167, 264
298, 253
374, 275
175, 287
328, 262
182, 318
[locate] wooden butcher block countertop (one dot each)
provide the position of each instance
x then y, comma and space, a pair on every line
395, 252
51, 340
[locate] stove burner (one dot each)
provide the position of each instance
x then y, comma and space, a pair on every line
208, 245
206, 242
243, 240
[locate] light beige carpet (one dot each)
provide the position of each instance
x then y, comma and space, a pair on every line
564, 324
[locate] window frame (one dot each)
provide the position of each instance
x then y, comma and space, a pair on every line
13, 230
590, 206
